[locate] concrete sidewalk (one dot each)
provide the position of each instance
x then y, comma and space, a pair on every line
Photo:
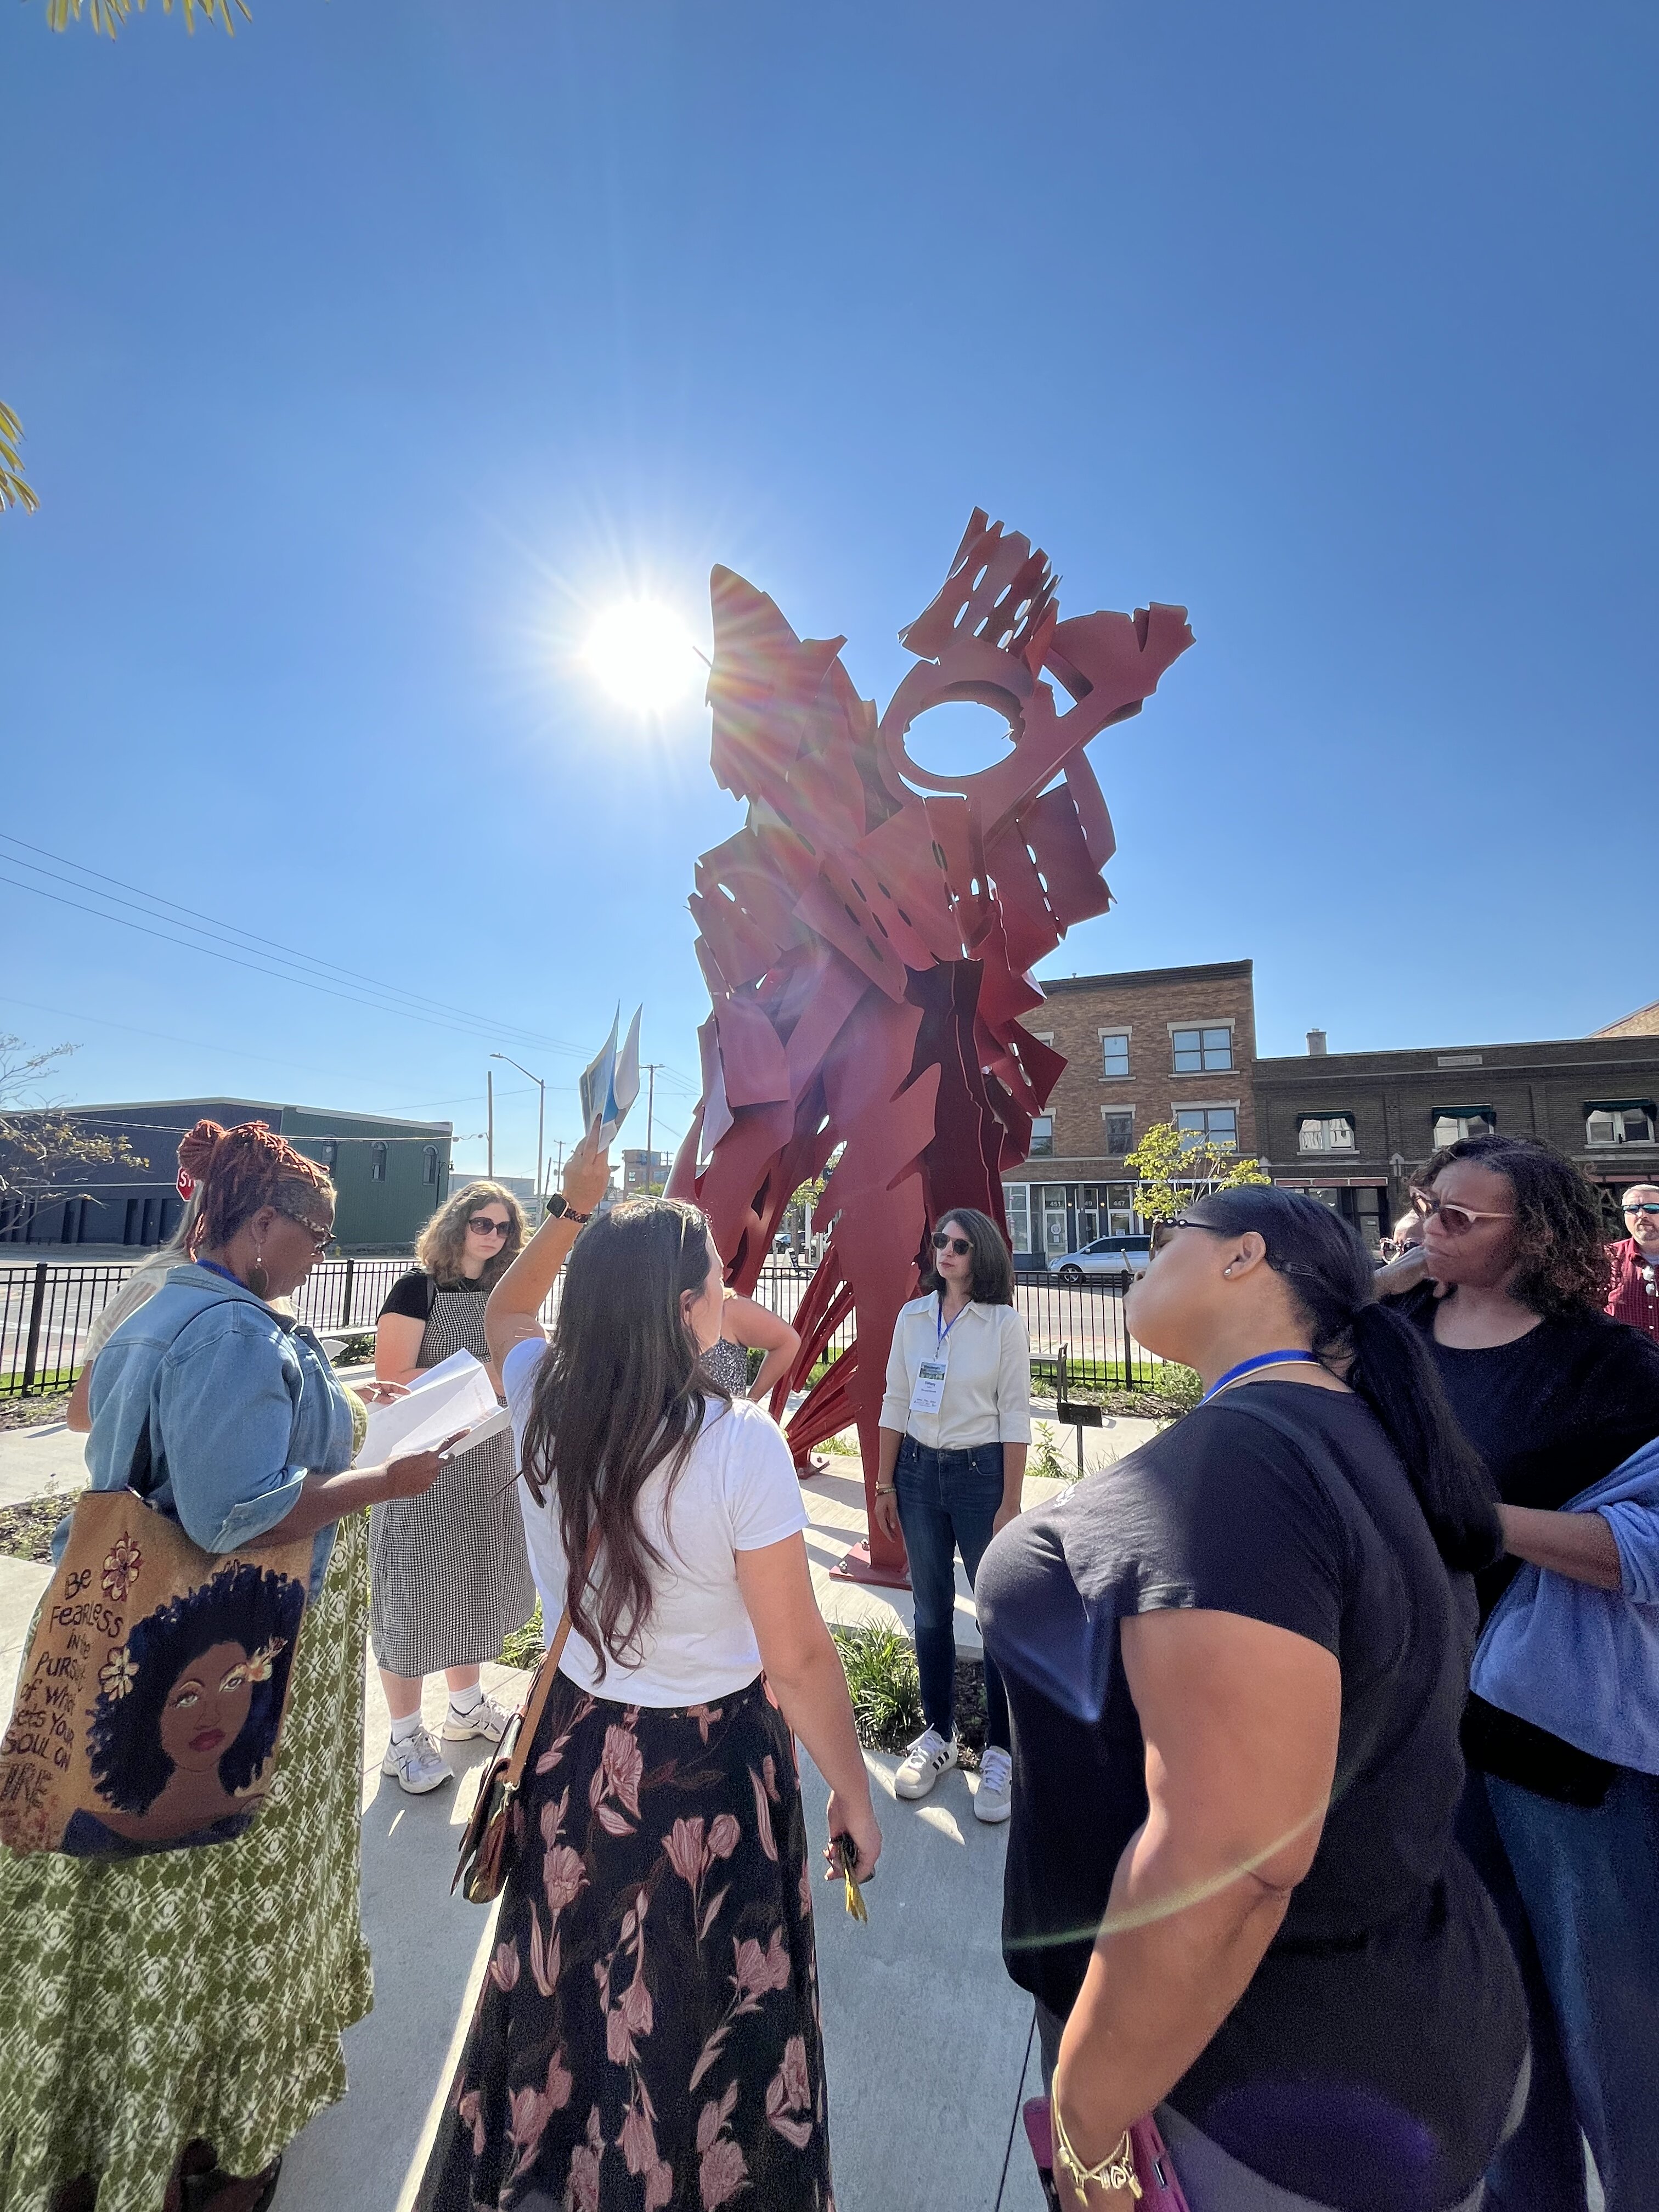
927, 2043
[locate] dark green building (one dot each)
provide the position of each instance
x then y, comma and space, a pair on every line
390, 1175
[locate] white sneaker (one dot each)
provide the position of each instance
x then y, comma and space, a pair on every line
485, 1718
418, 1763
929, 1757
994, 1800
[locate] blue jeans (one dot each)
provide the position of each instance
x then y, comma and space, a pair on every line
947, 1501
1577, 1889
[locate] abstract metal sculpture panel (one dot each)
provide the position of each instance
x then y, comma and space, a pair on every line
866, 936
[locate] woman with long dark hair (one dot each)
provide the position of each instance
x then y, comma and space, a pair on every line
1554, 1394
649, 2033
956, 1425
1237, 1661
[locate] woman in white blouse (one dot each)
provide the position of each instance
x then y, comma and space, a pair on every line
956, 1423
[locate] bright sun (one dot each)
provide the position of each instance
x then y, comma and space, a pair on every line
642, 653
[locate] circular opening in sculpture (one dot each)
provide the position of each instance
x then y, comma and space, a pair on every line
960, 738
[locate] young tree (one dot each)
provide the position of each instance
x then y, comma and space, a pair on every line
1178, 1165
44, 1149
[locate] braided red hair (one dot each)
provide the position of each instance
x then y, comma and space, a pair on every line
241, 1169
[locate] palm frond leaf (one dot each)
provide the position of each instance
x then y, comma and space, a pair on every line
13, 490
107, 17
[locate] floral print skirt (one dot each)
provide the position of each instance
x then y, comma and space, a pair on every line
648, 2035
147, 2003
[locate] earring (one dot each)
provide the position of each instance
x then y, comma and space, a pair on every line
1226, 1271
257, 1281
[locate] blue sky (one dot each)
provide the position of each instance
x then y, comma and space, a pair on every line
363, 358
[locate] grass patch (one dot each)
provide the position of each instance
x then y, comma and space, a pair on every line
524, 1648
26, 1530
880, 1664
841, 1447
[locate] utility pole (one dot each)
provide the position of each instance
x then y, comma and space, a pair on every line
490, 1122
541, 1113
651, 1067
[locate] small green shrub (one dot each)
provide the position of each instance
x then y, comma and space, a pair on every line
880, 1664
1179, 1388
525, 1646
1045, 1459
842, 1447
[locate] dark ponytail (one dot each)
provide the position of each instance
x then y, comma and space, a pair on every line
1380, 1354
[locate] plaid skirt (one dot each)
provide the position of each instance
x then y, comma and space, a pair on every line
648, 2037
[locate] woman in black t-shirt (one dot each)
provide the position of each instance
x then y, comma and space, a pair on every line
448, 1574
1553, 1395
1236, 1662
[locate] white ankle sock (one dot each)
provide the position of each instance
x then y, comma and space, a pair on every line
403, 1728
463, 1701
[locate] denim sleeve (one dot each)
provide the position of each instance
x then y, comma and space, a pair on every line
1014, 1379
1635, 1528
227, 1418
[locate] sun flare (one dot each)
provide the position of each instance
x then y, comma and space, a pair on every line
643, 655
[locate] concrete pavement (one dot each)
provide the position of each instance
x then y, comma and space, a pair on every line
927, 2043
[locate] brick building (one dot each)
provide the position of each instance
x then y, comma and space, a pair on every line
1355, 1126
1157, 1044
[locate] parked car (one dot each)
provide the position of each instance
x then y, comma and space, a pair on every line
1114, 1259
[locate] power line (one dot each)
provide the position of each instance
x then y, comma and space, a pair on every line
385, 996
351, 998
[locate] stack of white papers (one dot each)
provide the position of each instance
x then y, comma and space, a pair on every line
457, 1394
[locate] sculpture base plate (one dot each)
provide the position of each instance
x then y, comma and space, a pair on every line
858, 1567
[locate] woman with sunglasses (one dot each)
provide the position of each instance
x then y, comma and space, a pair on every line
1237, 1661
449, 1575
956, 1425
1554, 1394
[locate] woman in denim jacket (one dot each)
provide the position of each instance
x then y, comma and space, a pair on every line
177, 2016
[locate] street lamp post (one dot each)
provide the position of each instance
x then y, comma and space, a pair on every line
541, 1113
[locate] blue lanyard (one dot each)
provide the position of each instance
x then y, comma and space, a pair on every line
214, 1269
942, 1328
1248, 1367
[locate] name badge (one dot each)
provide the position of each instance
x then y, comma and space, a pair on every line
929, 1394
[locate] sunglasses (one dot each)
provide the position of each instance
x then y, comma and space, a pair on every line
944, 1242
485, 1225
320, 1238
1643, 1206
1162, 1232
1456, 1220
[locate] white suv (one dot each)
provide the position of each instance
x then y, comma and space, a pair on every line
1116, 1259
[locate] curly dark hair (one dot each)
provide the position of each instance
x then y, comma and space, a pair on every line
993, 1267
1561, 1256
246, 1604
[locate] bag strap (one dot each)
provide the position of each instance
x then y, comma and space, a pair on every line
541, 1689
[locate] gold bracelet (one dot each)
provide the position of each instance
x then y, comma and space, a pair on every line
1116, 2171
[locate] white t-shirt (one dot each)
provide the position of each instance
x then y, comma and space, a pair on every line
738, 1492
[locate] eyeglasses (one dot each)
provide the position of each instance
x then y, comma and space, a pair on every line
1642, 1206
485, 1225
1162, 1232
1456, 1220
944, 1242
320, 1238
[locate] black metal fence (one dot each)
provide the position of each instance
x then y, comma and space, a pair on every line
47, 1310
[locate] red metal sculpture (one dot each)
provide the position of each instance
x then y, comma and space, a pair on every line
866, 936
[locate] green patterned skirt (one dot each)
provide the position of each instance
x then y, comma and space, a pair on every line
196, 1993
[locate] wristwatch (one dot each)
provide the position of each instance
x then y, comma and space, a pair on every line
559, 1209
